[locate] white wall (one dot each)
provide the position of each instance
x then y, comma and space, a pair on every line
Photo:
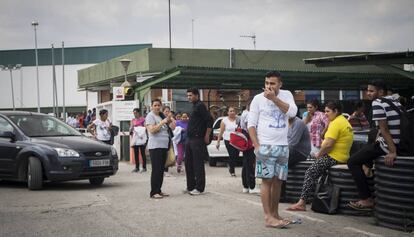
26, 96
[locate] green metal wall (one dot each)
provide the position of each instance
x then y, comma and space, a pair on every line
73, 55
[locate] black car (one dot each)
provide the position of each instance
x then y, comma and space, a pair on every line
37, 147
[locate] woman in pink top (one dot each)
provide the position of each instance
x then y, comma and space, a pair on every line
317, 122
138, 121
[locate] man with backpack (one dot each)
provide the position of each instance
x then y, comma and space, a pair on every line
386, 113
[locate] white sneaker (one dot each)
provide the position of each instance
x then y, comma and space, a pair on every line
245, 190
166, 174
254, 191
195, 192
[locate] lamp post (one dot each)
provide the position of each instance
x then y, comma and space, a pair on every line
11, 68
35, 24
125, 63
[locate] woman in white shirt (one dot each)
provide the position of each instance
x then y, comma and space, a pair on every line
101, 128
228, 125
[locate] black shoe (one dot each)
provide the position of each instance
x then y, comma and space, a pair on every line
135, 170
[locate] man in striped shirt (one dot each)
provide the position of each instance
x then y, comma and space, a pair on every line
388, 122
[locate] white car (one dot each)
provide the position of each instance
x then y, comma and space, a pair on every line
214, 154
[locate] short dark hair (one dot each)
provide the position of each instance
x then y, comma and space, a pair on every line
102, 112
193, 90
359, 104
334, 105
156, 100
379, 84
166, 107
136, 110
274, 74
314, 103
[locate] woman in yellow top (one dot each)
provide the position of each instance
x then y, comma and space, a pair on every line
334, 150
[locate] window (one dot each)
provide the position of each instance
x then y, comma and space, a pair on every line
312, 95
5, 126
43, 126
331, 95
350, 95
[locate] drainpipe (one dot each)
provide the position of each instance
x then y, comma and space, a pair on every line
231, 58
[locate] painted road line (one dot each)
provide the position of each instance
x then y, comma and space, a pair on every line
259, 204
366, 233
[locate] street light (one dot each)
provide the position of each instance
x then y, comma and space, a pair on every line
125, 63
126, 85
35, 24
11, 68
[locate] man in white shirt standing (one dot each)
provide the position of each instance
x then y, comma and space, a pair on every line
268, 129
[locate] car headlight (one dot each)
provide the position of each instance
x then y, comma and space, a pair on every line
113, 151
63, 152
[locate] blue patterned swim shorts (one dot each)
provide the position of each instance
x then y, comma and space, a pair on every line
272, 161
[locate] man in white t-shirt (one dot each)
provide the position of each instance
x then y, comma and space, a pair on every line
268, 129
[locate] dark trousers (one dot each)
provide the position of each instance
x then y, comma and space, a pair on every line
195, 154
158, 157
233, 156
366, 155
248, 178
295, 157
137, 149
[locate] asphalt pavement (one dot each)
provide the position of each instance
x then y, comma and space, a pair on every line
122, 207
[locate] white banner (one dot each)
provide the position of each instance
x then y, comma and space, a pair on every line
122, 110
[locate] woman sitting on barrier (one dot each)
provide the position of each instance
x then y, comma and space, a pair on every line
334, 150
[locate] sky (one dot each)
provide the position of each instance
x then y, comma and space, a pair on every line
319, 25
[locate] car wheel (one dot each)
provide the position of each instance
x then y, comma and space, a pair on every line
34, 174
96, 181
212, 162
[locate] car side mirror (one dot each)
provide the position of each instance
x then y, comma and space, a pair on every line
9, 135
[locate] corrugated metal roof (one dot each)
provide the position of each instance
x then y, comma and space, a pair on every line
230, 78
158, 60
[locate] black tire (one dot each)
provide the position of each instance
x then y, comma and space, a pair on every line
212, 161
34, 174
96, 181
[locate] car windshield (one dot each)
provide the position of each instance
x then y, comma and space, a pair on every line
43, 126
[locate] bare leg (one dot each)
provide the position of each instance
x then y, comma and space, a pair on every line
275, 197
266, 196
299, 206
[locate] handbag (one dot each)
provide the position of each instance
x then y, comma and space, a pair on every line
240, 139
326, 197
170, 161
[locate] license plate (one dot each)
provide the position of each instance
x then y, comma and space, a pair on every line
99, 163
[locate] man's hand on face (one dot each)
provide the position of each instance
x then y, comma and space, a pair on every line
269, 94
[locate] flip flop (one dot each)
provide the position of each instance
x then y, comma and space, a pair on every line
280, 226
359, 207
164, 194
157, 196
295, 209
